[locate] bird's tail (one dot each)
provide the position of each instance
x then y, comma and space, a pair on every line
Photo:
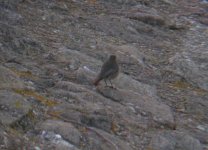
96, 81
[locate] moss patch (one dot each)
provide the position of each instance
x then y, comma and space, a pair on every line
180, 85
186, 85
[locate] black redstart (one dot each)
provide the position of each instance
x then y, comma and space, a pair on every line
109, 70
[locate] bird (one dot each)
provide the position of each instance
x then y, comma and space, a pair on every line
109, 70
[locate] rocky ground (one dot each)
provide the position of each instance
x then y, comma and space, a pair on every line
52, 50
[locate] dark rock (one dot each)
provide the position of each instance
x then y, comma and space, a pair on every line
10, 4
18, 43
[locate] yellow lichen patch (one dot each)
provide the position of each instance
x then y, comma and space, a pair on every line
83, 129
37, 96
31, 114
180, 85
149, 148
24, 74
200, 91
54, 114
92, 2
186, 85
13, 132
114, 127
18, 104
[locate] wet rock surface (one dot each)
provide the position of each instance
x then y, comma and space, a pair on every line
51, 51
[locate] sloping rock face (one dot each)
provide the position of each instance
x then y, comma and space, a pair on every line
51, 51
174, 140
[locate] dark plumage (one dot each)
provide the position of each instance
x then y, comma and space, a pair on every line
109, 70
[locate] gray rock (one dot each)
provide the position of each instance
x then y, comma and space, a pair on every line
55, 49
192, 67
105, 141
85, 75
2, 138
147, 18
75, 58
173, 141
192, 63
127, 83
161, 113
9, 79
12, 107
10, 4
66, 130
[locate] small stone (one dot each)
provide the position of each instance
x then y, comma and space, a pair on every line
44, 18
132, 109
37, 148
200, 127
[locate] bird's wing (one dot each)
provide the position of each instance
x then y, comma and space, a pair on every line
107, 73
107, 69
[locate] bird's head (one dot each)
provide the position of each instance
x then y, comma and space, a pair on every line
112, 57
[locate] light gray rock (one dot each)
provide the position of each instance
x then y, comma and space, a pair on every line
127, 83
66, 130
85, 76
75, 58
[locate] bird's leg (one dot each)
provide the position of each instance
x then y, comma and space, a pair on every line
105, 83
110, 83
